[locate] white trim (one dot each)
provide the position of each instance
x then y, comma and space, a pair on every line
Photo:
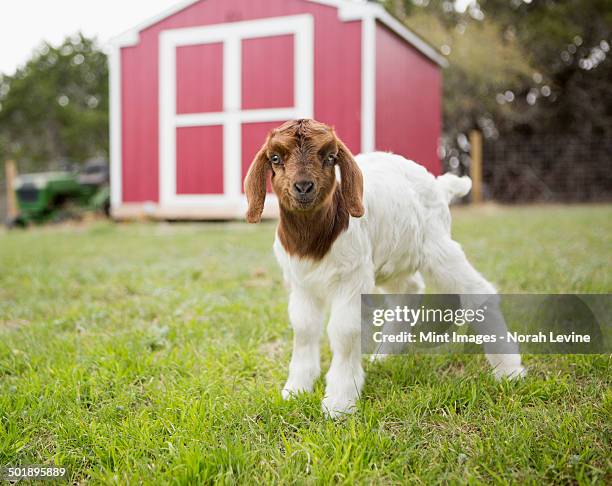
368, 84
348, 10
232, 117
115, 125
246, 116
232, 102
222, 210
167, 109
400, 29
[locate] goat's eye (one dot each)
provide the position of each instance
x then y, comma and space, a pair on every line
275, 159
330, 159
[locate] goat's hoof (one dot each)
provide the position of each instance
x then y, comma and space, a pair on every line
509, 372
292, 391
334, 408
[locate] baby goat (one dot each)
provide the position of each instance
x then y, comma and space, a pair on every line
383, 223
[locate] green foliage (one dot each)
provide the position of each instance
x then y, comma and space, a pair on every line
481, 65
155, 354
56, 106
570, 43
521, 67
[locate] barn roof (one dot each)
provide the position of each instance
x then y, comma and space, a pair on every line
347, 10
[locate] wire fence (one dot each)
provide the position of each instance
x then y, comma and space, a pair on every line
547, 169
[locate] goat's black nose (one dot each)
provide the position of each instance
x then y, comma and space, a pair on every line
303, 187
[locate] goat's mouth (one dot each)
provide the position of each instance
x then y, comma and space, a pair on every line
304, 202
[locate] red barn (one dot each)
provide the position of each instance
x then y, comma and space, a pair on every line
195, 90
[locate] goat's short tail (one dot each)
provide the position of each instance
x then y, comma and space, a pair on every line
453, 186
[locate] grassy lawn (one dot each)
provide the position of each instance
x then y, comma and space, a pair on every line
155, 353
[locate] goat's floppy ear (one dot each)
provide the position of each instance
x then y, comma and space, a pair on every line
351, 184
255, 185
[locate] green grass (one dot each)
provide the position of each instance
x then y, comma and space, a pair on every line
155, 353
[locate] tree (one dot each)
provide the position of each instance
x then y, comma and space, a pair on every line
56, 106
521, 66
569, 42
485, 70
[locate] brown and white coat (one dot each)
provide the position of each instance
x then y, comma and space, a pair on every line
349, 226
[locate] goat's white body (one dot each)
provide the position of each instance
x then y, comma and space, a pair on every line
386, 241
405, 230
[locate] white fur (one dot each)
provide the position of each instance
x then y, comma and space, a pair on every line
404, 232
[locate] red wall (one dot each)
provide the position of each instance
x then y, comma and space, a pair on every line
199, 89
408, 101
274, 88
337, 98
196, 174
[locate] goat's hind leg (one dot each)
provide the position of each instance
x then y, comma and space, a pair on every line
448, 269
412, 283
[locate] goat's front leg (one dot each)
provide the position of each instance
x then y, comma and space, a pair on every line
345, 376
306, 316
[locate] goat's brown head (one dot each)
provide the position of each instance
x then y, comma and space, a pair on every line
302, 155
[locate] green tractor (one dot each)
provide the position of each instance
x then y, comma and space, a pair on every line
61, 195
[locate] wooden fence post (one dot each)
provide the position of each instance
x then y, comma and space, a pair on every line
10, 171
476, 165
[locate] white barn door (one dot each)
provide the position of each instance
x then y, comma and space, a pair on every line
219, 90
